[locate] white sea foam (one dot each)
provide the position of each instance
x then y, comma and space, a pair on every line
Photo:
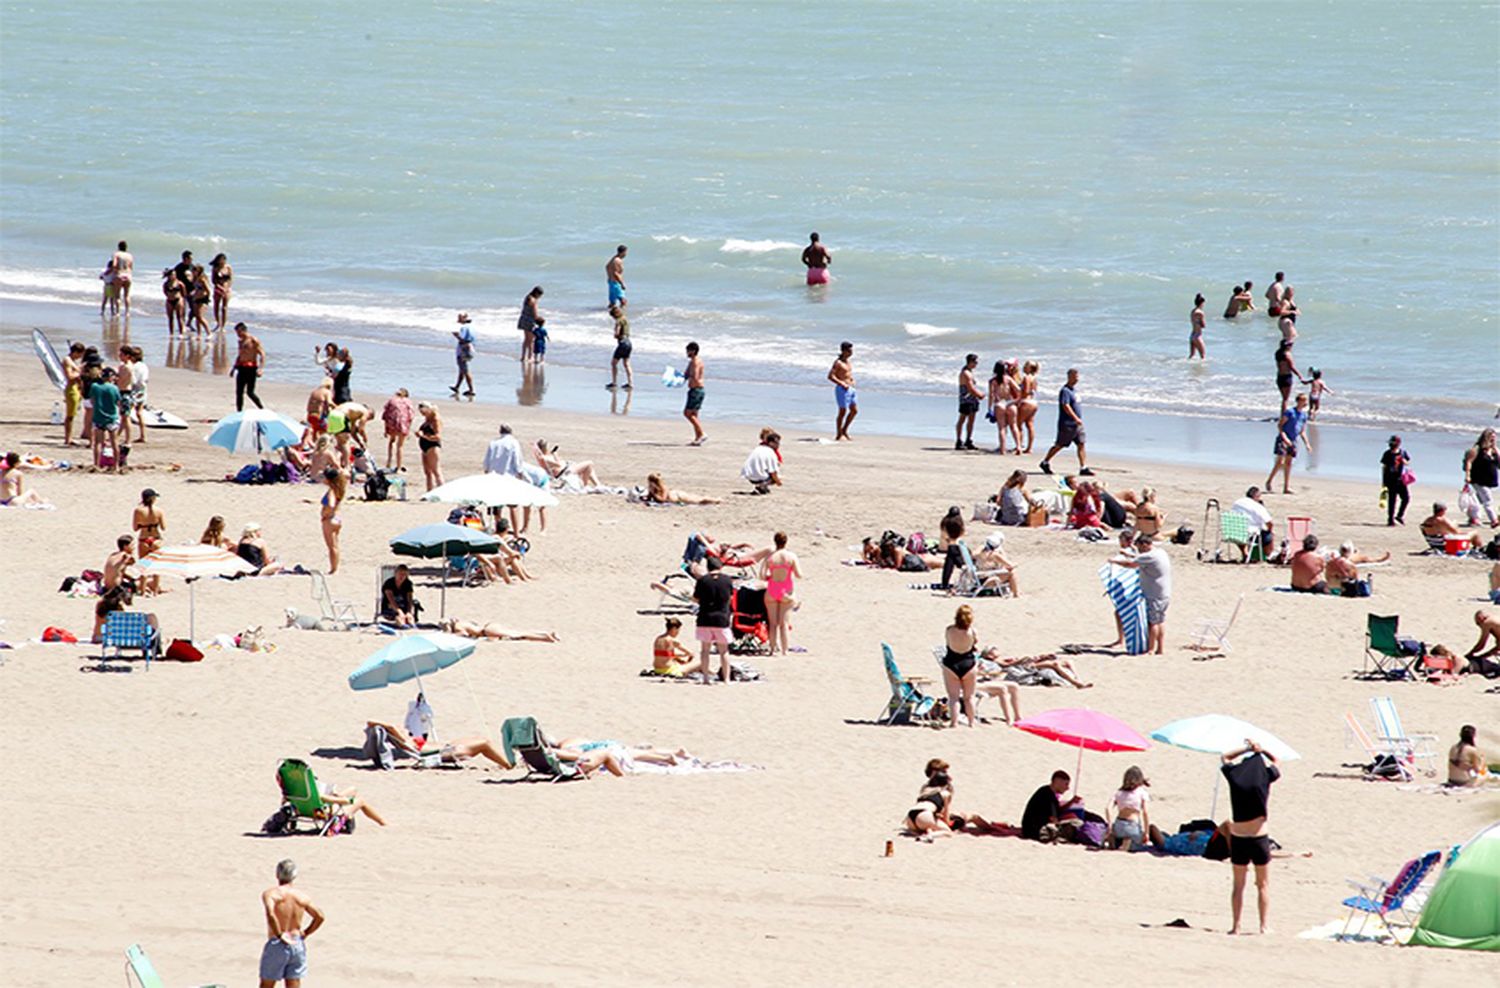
733, 246
923, 329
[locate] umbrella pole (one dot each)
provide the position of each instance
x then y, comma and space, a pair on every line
1213, 810
1078, 771
443, 600
192, 610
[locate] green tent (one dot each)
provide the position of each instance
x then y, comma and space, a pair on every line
1464, 909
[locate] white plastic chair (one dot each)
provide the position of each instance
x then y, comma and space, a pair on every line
1213, 635
1388, 730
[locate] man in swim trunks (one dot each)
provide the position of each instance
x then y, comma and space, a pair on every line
124, 266
73, 390
693, 373
614, 275
816, 257
1293, 426
248, 361
463, 352
623, 346
1069, 426
969, 397
1275, 293
117, 564
1308, 566
842, 376
1249, 795
319, 401
284, 957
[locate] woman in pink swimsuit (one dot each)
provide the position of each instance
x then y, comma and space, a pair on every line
780, 571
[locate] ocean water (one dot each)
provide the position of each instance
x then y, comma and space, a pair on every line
1033, 181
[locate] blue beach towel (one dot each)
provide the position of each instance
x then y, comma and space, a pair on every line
1123, 585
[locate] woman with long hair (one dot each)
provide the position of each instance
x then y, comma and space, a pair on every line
1131, 827
780, 571
338, 487
657, 492
929, 815
223, 279
1026, 406
430, 441
1482, 474
959, 661
214, 535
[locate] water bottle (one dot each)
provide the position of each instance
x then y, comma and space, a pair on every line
57, 415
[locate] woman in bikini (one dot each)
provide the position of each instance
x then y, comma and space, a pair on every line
668, 655
929, 815
1026, 406
657, 492
557, 468
214, 534
148, 522
1465, 763
997, 407
338, 486
223, 279
780, 571
172, 291
430, 442
495, 632
198, 298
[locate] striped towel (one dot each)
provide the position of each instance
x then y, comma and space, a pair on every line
1123, 586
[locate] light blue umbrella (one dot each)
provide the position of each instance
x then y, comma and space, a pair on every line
257, 431
1216, 734
408, 658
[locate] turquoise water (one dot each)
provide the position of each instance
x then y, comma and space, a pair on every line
1040, 181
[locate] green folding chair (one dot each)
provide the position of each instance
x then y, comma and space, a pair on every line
1384, 650
1234, 528
521, 736
299, 793
139, 967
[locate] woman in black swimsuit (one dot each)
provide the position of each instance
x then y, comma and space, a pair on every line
929, 815
958, 664
430, 440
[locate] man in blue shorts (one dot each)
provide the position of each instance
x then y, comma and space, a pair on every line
842, 376
284, 957
694, 375
1291, 429
614, 274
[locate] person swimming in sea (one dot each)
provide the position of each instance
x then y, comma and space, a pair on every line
817, 259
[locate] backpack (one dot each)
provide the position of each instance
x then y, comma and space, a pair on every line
1385, 767
916, 542
377, 487
1183, 535
248, 474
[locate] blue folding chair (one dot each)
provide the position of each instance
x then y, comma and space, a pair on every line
1381, 898
907, 699
128, 631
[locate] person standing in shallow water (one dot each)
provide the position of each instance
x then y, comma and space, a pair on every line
614, 275
1195, 337
842, 376
969, 397
623, 348
817, 259
695, 394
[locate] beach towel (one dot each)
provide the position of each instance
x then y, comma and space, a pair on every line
1123, 587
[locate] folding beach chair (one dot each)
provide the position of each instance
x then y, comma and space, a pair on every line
1381, 898
521, 736
139, 968
1211, 635
330, 607
970, 579
1388, 731
907, 703
1375, 752
1234, 528
301, 800
1299, 527
1436, 545
1391, 656
128, 631
1123, 586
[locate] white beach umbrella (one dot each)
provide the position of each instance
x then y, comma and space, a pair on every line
192, 563
1216, 734
492, 490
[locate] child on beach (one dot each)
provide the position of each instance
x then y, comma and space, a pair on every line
1315, 392
539, 341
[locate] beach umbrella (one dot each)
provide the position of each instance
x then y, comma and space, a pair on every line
192, 563
408, 658
1084, 728
257, 431
443, 541
492, 490
1216, 734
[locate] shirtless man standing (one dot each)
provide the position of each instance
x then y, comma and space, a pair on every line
969, 397
694, 375
319, 401
614, 275
148, 523
73, 388
842, 376
1274, 294
248, 361
284, 957
124, 265
117, 566
816, 257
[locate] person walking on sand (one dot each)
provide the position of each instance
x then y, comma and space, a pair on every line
463, 352
614, 275
1249, 793
248, 361
1195, 337
1069, 426
1394, 464
530, 316
284, 957
842, 376
817, 259
623, 346
693, 375
969, 397
1293, 426
1482, 475
123, 263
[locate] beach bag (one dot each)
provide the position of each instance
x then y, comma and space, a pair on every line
248, 474
1408, 478
986, 512
1091, 832
1183, 535
182, 650
916, 542
466, 350
378, 487
1468, 504
1036, 516
59, 635
1188, 845
1385, 767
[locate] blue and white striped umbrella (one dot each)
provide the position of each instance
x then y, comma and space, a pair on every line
257, 431
1123, 585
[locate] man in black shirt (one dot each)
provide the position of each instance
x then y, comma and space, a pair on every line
1249, 793
1042, 808
712, 592
398, 602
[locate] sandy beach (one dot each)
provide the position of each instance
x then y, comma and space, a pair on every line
132, 802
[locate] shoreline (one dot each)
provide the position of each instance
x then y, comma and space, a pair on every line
426, 369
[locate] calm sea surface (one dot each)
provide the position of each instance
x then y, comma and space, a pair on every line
1048, 181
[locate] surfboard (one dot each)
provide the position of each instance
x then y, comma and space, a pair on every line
48, 357
157, 418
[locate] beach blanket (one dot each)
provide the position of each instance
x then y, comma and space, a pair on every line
1123, 587
692, 766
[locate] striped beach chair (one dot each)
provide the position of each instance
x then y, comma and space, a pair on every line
1123, 587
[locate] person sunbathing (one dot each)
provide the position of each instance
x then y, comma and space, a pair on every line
893, 555
1084, 512
1023, 668
559, 469
13, 491
623, 753
1147, 517
669, 657
928, 816
590, 759
451, 752
1465, 764
495, 632
503, 564
350, 800
1307, 568
252, 549
657, 492
996, 570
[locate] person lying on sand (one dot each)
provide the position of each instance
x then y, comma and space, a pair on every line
1021, 668
494, 631
657, 492
928, 816
451, 752
559, 469
624, 753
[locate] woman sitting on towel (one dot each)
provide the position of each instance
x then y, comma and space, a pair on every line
668, 656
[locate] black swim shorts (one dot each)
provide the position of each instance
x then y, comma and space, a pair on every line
1249, 850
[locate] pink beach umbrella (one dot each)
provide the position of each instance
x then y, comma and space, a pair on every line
1084, 728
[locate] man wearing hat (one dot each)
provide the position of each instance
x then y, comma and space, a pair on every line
463, 353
